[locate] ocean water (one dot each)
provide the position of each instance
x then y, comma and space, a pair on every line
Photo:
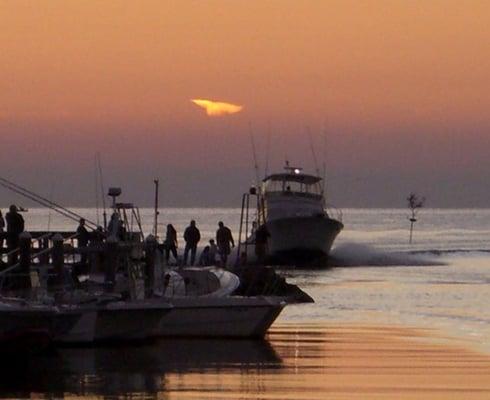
439, 283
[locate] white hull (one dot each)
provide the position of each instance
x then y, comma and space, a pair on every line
307, 235
127, 321
226, 317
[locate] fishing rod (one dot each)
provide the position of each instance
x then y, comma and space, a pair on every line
267, 151
104, 214
324, 186
43, 201
254, 152
312, 148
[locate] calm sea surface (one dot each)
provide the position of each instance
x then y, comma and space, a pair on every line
440, 283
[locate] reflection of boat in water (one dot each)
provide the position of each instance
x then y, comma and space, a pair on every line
117, 370
291, 206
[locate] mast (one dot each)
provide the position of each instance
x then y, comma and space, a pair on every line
156, 212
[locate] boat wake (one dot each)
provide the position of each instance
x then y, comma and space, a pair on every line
357, 255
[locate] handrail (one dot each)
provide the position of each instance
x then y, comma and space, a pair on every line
331, 209
33, 256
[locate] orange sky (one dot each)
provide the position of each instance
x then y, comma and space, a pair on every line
383, 73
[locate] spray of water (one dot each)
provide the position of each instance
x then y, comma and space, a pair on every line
355, 254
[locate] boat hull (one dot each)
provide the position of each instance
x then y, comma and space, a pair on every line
239, 317
301, 240
116, 322
32, 328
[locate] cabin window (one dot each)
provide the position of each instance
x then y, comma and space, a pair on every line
293, 186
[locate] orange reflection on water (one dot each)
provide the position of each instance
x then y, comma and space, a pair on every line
298, 361
347, 362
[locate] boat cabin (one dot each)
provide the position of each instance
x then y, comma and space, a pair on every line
293, 183
292, 194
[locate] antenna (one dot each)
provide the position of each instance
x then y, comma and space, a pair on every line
312, 148
104, 214
256, 165
155, 222
96, 180
324, 187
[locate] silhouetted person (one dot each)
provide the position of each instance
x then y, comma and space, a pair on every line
171, 242
224, 238
2, 229
213, 251
96, 243
115, 227
192, 236
205, 258
262, 236
15, 226
83, 237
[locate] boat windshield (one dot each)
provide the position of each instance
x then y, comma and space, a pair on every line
287, 183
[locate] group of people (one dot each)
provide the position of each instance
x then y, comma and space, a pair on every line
10, 228
217, 250
192, 236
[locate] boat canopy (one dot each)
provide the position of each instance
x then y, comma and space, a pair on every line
293, 182
300, 178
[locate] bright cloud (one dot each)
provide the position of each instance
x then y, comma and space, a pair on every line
217, 108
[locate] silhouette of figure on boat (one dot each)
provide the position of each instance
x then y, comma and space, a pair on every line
213, 251
224, 239
192, 236
83, 237
115, 227
262, 236
170, 243
15, 226
205, 257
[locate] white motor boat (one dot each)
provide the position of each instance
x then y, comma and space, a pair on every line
292, 209
203, 306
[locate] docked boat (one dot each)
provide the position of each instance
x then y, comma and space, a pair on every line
127, 294
293, 220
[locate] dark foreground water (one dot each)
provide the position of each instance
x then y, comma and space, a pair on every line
296, 362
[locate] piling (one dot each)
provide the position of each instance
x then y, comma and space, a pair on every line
23, 281
44, 257
110, 262
150, 259
25, 252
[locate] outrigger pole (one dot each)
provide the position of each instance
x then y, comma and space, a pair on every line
44, 201
312, 148
267, 152
254, 152
104, 214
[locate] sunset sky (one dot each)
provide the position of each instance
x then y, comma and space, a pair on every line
401, 88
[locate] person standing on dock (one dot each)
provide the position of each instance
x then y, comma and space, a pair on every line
224, 238
15, 226
192, 236
83, 237
170, 243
